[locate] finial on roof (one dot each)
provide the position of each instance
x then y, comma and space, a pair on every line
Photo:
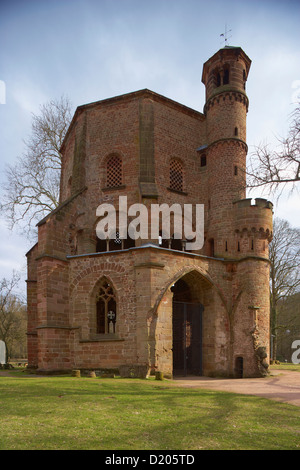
225, 36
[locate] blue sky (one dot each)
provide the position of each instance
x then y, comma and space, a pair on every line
94, 49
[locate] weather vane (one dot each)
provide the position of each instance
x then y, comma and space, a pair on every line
225, 35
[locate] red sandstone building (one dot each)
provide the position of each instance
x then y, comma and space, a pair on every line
145, 305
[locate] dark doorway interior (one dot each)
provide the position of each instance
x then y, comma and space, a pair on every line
239, 367
187, 332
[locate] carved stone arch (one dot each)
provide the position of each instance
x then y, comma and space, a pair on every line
178, 276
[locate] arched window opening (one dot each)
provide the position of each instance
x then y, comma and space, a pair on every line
114, 172
203, 160
236, 131
211, 247
101, 245
176, 175
128, 243
116, 243
163, 242
69, 187
235, 170
218, 79
176, 244
106, 312
226, 76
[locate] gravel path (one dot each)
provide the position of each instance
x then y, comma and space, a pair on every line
281, 385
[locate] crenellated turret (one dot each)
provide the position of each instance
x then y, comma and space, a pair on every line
253, 227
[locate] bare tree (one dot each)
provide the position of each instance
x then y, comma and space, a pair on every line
12, 315
270, 168
32, 186
285, 268
288, 325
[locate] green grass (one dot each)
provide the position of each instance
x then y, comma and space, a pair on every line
285, 366
130, 414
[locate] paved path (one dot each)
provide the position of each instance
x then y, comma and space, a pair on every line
282, 385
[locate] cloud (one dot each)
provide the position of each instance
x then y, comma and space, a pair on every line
27, 95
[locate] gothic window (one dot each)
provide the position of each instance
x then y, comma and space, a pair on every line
114, 172
106, 312
176, 175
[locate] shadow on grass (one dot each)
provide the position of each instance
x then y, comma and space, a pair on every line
121, 414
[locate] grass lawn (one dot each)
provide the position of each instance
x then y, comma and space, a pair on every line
285, 366
71, 413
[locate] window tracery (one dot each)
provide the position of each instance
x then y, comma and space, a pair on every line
106, 312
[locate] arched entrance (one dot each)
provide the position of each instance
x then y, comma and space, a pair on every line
186, 328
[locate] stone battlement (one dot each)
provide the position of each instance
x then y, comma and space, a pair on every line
259, 202
254, 220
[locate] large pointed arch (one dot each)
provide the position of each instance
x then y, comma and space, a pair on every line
200, 299
179, 274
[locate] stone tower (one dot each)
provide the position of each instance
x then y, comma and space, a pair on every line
224, 76
142, 305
